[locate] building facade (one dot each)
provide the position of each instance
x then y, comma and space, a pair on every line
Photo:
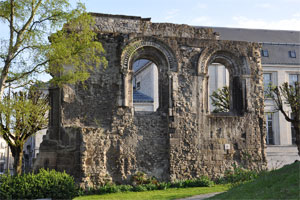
6, 159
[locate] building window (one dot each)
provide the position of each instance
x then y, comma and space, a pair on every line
265, 53
270, 132
1, 167
218, 83
267, 84
138, 85
293, 78
292, 54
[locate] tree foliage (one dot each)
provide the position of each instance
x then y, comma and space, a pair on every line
21, 116
289, 95
220, 100
28, 52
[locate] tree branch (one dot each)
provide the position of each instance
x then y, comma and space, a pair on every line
50, 18
23, 85
11, 25
25, 27
27, 73
5, 133
21, 50
5, 17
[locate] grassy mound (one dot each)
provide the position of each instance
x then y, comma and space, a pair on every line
283, 183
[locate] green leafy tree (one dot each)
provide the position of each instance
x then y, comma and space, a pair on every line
290, 95
27, 51
220, 100
21, 116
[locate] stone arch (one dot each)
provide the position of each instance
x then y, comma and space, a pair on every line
234, 62
237, 66
133, 46
160, 54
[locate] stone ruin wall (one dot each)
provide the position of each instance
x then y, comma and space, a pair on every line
96, 136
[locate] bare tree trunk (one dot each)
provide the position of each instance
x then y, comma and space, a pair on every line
17, 153
297, 131
3, 78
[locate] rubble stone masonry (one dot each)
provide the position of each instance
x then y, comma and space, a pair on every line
95, 135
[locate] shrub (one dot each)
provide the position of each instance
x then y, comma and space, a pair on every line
45, 184
140, 178
151, 186
177, 184
108, 188
163, 186
125, 188
202, 182
238, 175
142, 183
140, 188
111, 188
199, 182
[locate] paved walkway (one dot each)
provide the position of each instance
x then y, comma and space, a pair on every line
201, 196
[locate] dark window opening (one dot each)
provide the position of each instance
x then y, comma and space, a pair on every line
270, 132
265, 53
268, 82
1, 167
293, 78
138, 85
292, 54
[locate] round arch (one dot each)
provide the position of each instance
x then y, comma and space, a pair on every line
155, 51
144, 47
237, 66
234, 63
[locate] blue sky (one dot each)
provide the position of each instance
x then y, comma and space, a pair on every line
262, 14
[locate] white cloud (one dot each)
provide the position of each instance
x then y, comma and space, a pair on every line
297, 15
283, 24
201, 21
263, 5
292, 1
171, 14
201, 6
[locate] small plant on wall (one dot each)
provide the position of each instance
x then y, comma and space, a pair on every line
220, 100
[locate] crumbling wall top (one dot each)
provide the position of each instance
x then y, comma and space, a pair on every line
107, 23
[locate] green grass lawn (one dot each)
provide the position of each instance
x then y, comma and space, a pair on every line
283, 183
172, 193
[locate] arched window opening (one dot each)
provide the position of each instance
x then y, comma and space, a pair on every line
145, 84
218, 88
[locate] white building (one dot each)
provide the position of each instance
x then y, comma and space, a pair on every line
5, 157
31, 149
145, 86
32, 145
